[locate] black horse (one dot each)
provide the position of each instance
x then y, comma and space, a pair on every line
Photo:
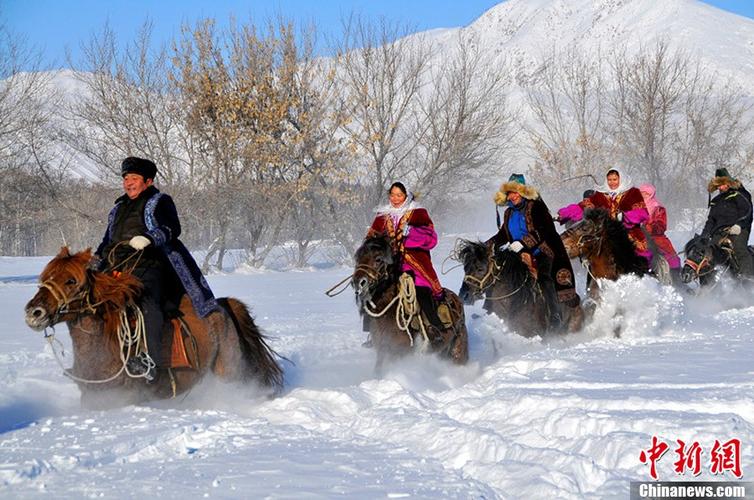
509, 289
396, 325
704, 255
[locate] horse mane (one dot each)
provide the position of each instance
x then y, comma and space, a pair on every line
114, 292
624, 251
469, 251
697, 241
379, 243
512, 265
110, 293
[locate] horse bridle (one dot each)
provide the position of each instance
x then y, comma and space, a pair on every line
696, 267
586, 238
492, 270
373, 273
64, 302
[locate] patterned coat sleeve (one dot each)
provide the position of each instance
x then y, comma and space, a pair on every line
167, 227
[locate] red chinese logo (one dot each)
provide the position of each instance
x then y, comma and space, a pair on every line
727, 456
724, 457
688, 459
653, 454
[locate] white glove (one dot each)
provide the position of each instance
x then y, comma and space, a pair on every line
139, 242
516, 246
619, 217
734, 230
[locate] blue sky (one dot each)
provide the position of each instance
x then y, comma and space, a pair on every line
50, 26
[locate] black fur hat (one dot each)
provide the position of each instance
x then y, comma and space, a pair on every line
722, 177
143, 167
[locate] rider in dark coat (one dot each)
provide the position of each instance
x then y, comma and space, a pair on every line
730, 215
529, 230
144, 219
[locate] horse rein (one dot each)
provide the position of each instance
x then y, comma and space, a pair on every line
492, 271
64, 302
126, 337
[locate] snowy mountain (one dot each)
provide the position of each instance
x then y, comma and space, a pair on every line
516, 34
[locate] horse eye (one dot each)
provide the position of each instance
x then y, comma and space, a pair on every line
71, 281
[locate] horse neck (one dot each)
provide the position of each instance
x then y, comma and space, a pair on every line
95, 353
602, 265
602, 261
510, 286
385, 292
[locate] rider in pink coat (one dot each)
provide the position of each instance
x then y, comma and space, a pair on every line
658, 224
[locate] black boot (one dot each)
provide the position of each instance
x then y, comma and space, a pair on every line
429, 307
142, 365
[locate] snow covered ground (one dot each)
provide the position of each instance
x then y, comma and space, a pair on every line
524, 419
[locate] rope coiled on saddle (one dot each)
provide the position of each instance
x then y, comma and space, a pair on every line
407, 308
130, 340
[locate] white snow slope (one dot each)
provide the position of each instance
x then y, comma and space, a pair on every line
524, 419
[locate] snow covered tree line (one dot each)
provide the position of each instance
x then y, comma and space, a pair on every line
261, 142
657, 114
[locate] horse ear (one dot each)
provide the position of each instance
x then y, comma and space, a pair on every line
64, 252
86, 253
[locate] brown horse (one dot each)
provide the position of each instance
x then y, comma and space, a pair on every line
509, 290
603, 243
98, 307
395, 323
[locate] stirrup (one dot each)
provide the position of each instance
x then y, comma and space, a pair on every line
142, 365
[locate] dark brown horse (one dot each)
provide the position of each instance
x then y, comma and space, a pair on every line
396, 325
602, 243
98, 309
510, 290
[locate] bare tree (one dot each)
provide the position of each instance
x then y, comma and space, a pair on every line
568, 135
655, 113
465, 127
674, 123
127, 109
263, 115
647, 108
30, 157
381, 70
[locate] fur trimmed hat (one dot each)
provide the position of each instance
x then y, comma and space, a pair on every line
721, 178
516, 184
141, 166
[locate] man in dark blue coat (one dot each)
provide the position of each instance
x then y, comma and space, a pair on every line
145, 220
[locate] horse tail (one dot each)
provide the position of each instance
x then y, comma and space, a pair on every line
260, 359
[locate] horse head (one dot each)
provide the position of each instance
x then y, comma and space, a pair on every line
700, 258
63, 285
478, 267
376, 267
599, 237
584, 238
68, 289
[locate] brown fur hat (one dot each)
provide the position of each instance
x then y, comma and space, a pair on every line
721, 178
515, 184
